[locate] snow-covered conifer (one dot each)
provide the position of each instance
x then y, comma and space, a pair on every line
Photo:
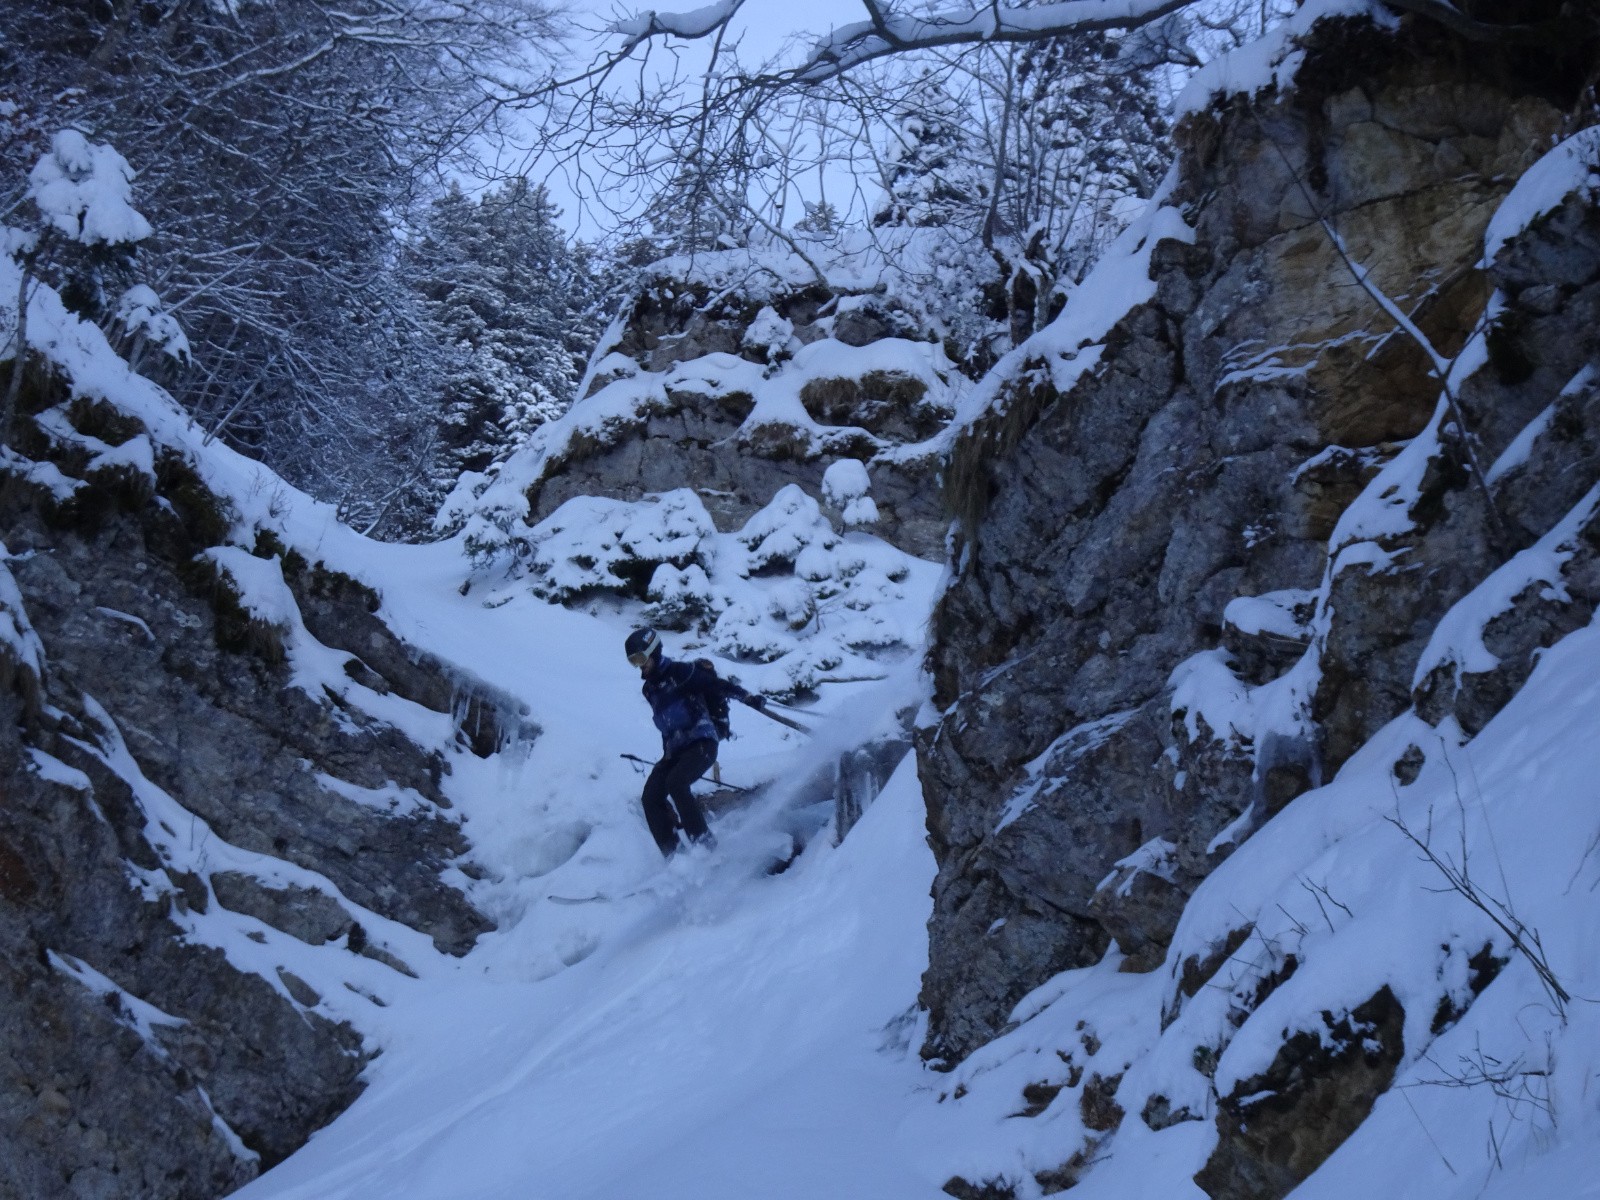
845, 485
933, 175
513, 302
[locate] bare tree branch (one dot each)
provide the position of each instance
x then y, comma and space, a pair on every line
886, 32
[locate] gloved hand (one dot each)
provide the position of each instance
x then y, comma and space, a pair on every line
759, 703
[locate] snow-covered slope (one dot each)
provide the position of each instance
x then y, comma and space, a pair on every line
730, 1035
517, 712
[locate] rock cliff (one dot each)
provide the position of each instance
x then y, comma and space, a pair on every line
741, 379
1203, 556
186, 815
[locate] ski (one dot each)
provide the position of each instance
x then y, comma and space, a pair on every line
780, 718
661, 883
599, 897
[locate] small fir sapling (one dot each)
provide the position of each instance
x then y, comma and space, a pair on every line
681, 598
593, 545
771, 335
83, 194
777, 535
146, 322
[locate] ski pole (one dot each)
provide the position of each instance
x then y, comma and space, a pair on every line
719, 782
778, 717
795, 708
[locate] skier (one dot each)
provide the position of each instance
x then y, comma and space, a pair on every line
686, 701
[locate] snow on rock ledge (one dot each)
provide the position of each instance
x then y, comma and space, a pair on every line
178, 711
695, 387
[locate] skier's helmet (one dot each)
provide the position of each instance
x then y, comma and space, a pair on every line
642, 646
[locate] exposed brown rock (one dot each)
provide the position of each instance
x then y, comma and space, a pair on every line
1276, 1128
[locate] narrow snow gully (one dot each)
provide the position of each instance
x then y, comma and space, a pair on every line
713, 1030
732, 1034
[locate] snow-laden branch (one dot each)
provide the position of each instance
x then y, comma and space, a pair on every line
886, 32
1441, 365
689, 26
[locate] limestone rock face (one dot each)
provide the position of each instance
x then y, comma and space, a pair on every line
694, 434
135, 1059
223, 734
1122, 538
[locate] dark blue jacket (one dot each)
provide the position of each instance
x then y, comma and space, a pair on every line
679, 693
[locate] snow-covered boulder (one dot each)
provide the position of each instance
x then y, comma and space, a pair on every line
595, 544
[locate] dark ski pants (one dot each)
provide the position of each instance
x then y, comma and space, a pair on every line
672, 776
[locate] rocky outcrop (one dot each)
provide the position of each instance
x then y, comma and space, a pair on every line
1115, 716
136, 1062
1279, 1127
162, 773
222, 732
697, 427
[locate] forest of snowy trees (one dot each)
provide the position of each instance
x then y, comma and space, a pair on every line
357, 271
346, 313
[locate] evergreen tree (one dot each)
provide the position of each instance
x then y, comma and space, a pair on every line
514, 304
822, 220
933, 174
703, 207
279, 145
1090, 133
1019, 161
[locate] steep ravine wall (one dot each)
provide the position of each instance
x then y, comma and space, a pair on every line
172, 807
1076, 796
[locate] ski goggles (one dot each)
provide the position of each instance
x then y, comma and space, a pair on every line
641, 658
